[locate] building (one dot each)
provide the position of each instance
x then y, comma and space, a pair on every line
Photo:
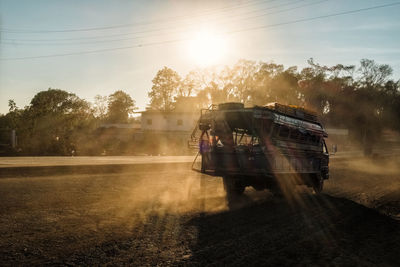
166, 132
168, 121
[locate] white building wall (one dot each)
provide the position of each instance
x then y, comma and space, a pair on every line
168, 121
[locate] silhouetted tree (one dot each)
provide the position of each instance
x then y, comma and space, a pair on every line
373, 74
100, 106
120, 105
165, 86
53, 122
187, 85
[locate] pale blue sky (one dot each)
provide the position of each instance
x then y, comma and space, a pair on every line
373, 34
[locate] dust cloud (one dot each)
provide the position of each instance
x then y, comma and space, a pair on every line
162, 212
373, 182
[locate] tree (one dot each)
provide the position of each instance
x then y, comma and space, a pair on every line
364, 104
56, 101
13, 117
243, 79
373, 74
120, 105
187, 85
100, 106
165, 86
12, 106
54, 122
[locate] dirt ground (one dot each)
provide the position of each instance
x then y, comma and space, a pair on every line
168, 215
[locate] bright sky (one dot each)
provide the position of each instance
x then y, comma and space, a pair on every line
137, 38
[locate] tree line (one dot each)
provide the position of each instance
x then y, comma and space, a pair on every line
57, 122
363, 99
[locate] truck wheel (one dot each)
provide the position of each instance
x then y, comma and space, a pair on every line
318, 183
232, 186
276, 191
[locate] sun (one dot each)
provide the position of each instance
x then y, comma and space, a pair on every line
207, 47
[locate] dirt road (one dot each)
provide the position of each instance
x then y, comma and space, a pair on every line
165, 214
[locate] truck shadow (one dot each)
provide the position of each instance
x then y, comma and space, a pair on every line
318, 230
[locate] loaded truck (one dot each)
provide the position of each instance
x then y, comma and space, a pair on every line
273, 147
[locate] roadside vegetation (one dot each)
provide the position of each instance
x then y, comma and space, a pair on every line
363, 99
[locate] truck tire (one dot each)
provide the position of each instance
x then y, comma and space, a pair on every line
317, 183
276, 190
233, 187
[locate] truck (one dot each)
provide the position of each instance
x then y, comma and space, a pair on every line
273, 147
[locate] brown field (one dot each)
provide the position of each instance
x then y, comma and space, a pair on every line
165, 214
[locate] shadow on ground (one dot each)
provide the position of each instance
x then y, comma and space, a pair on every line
319, 230
168, 215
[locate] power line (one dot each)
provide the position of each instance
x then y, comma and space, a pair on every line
124, 34
224, 9
316, 18
230, 32
174, 32
101, 50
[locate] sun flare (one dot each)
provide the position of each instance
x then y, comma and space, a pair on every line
207, 47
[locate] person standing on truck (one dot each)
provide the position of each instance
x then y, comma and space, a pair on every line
204, 147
